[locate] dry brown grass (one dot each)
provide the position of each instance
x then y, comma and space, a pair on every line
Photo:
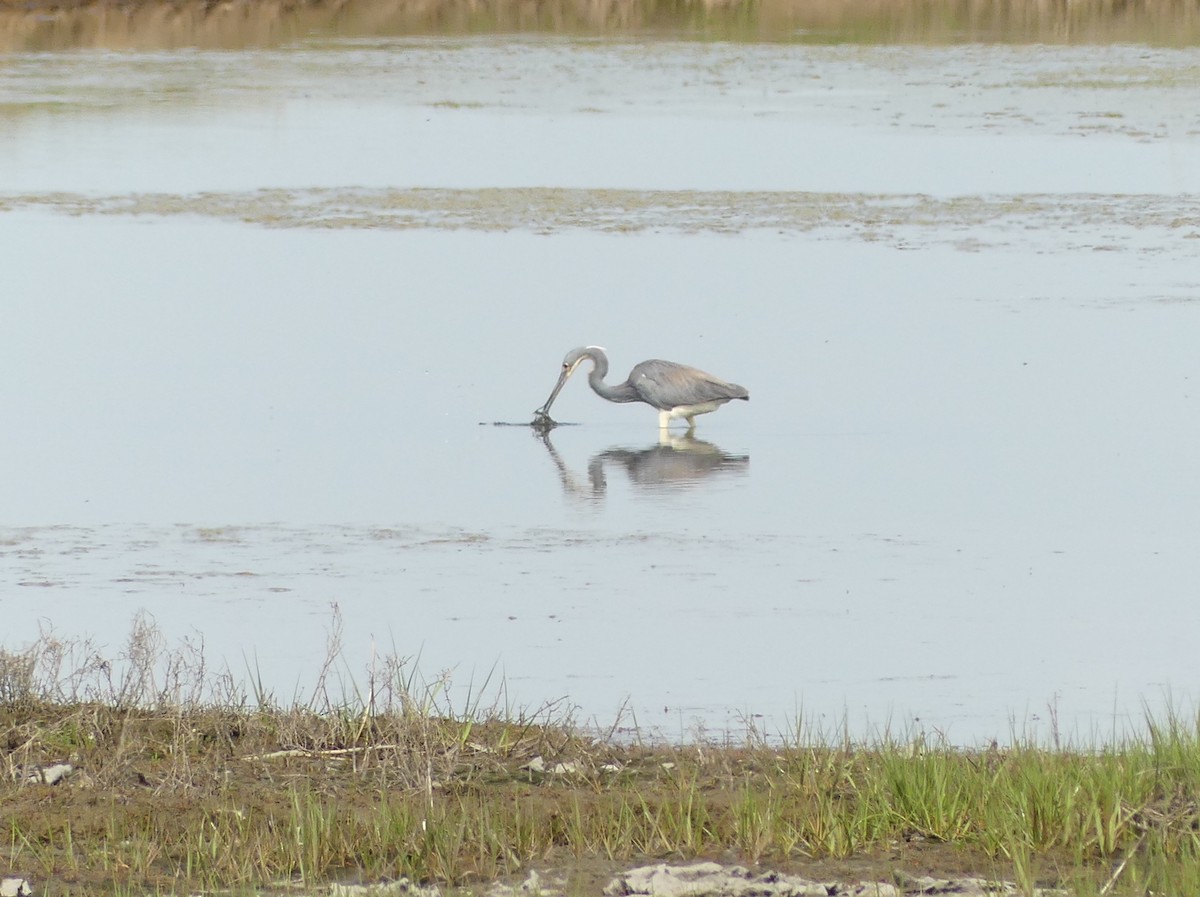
152, 24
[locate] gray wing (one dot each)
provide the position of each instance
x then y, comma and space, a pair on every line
666, 385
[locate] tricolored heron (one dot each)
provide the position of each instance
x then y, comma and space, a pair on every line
676, 390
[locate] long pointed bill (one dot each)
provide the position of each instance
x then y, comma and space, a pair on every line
562, 379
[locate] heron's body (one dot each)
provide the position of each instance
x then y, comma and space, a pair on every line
676, 390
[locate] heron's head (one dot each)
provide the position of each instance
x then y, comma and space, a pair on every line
576, 357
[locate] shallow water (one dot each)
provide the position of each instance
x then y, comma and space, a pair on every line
261, 310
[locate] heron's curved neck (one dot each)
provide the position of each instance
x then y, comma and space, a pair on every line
622, 392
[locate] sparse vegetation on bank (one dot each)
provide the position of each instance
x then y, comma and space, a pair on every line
185, 781
156, 24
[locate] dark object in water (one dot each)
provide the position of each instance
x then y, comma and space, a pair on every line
541, 422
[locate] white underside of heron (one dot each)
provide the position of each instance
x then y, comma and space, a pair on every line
685, 412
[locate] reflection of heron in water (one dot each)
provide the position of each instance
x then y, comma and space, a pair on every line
676, 390
676, 462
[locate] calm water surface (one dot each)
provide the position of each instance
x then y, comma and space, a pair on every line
251, 363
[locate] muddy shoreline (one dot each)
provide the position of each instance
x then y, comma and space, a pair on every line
133, 791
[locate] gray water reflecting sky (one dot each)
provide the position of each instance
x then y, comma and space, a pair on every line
552, 112
965, 486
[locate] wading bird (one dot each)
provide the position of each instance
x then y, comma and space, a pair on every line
676, 390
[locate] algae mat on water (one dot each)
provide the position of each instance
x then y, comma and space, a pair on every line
1150, 224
